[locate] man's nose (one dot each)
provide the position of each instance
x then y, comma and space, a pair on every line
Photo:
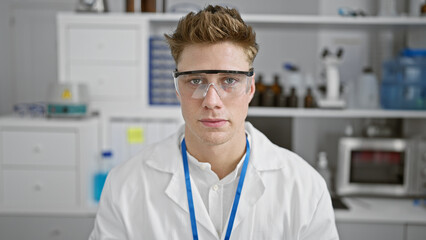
212, 97
212, 85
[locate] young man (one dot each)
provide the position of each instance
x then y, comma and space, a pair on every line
218, 177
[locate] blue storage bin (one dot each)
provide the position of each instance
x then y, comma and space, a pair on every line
403, 83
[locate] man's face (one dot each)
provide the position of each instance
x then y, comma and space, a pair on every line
214, 120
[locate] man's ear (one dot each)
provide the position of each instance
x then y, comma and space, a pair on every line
252, 87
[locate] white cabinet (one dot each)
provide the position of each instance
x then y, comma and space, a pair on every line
46, 165
379, 231
370, 231
45, 227
103, 52
415, 232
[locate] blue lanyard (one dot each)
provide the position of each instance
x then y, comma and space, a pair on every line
237, 194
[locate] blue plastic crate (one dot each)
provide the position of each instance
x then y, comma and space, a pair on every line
404, 83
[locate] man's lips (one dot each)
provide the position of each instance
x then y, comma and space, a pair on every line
215, 123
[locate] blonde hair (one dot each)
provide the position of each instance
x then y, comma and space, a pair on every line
214, 24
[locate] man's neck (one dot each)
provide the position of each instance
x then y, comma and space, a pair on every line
223, 158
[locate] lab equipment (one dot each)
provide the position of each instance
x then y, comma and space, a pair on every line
294, 80
68, 100
92, 6
309, 101
367, 90
292, 99
104, 165
161, 63
324, 170
331, 62
276, 89
404, 81
30, 109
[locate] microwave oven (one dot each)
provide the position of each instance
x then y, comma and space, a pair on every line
381, 167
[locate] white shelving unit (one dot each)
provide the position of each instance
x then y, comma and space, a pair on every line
136, 105
330, 113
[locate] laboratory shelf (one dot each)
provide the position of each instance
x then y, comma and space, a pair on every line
275, 19
333, 113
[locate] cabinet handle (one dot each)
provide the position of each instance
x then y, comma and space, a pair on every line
55, 232
100, 46
37, 187
37, 149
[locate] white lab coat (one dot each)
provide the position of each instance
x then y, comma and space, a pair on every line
283, 198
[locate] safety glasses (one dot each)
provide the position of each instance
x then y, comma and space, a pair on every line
227, 83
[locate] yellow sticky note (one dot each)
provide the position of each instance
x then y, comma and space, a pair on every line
135, 135
66, 94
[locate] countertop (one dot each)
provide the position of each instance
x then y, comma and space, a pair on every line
382, 210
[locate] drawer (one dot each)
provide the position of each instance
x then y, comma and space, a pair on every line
35, 189
120, 82
45, 227
38, 148
102, 43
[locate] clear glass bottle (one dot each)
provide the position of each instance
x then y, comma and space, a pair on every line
324, 170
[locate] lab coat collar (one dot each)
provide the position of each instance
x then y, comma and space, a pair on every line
263, 155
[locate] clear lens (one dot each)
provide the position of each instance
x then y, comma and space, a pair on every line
226, 84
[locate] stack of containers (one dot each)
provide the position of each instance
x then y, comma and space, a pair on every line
161, 66
404, 81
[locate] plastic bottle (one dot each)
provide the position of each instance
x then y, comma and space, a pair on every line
104, 165
368, 90
323, 169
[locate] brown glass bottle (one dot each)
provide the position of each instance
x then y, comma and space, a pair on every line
309, 101
130, 5
276, 89
268, 97
291, 101
423, 10
258, 94
148, 5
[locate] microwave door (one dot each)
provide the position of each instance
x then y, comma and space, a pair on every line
378, 172
373, 171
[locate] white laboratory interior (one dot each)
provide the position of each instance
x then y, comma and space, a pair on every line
84, 84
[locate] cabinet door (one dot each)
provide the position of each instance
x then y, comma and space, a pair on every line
370, 231
113, 82
38, 148
39, 189
45, 228
102, 43
416, 232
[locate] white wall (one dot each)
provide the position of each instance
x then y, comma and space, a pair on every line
28, 56
6, 85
